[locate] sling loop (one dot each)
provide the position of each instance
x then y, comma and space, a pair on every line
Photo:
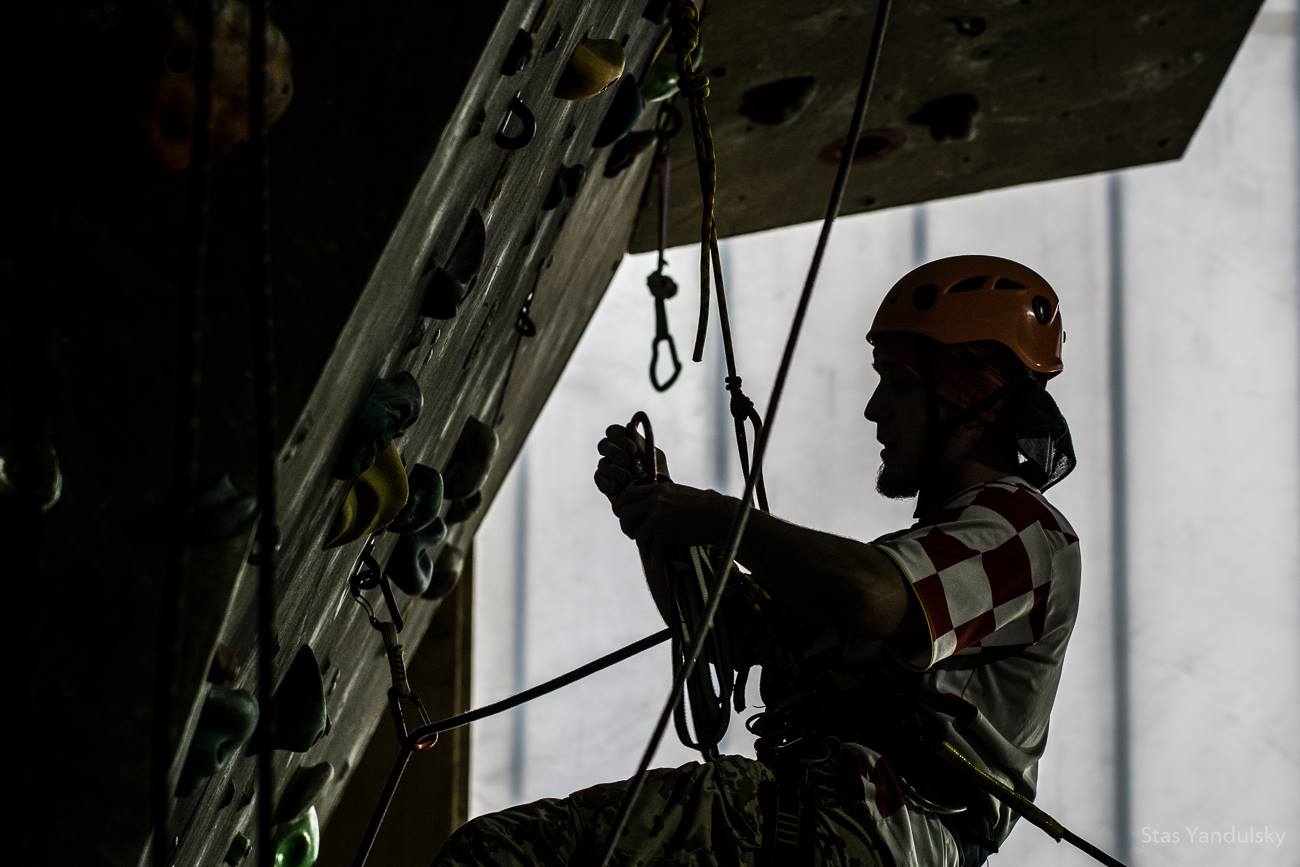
741, 518
663, 287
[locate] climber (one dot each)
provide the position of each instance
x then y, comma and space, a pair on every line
954, 628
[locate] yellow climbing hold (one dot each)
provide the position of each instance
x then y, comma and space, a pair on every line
594, 65
373, 501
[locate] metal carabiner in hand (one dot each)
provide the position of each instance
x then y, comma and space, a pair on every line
646, 466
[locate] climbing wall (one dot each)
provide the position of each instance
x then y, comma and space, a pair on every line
970, 96
444, 220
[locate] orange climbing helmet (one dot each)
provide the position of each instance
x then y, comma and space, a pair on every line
964, 299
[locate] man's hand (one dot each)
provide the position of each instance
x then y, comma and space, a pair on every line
666, 515
617, 449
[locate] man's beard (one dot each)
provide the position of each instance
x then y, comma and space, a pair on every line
895, 485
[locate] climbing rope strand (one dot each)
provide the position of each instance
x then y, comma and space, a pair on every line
189, 352
741, 518
425, 732
260, 307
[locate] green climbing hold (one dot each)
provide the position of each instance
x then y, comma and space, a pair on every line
623, 113
409, 566
297, 843
661, 81
568, 180
446, 572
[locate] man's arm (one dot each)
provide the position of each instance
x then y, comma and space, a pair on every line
831, 580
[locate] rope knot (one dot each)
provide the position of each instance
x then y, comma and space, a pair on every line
741, 406
693, 84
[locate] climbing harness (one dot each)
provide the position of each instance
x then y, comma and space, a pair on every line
662, 287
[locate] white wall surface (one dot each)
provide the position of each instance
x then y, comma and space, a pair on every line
1206, 481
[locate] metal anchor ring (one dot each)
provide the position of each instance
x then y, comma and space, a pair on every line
528, 125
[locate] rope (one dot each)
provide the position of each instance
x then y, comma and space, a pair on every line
764, 435
694, 85
432, 730
189, 353
259, 289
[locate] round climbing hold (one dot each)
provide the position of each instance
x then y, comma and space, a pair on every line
470, 460
443, 286
779, 102
519, 53
593, 66
423, 502
409, 566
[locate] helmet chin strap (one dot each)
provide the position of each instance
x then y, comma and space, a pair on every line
937, 433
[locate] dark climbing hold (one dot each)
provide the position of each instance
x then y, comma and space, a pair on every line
444, 286
625, 151
221, 510
299, 705
593, 66
476, 125
656, 11
779, 102
409, 566
228, 718
446, 572
423, 500
470, 459
568, 180
948, 117
623, 113
518, 110
463, 509
392, 406
520, 52
30, 473
297, 843
373, 500
302, 790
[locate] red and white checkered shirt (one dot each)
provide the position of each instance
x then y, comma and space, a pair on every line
996, 572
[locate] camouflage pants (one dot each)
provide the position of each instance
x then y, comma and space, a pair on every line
698, 815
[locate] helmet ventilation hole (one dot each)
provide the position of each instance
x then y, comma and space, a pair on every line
1007, 283
970, 284
1042, 309
924, 296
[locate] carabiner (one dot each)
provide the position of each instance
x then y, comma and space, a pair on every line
648, 472
654, 362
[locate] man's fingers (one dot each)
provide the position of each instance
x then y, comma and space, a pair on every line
614, 451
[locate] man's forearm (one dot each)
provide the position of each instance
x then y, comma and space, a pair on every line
828, 579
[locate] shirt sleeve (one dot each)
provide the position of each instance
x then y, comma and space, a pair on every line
982, 572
